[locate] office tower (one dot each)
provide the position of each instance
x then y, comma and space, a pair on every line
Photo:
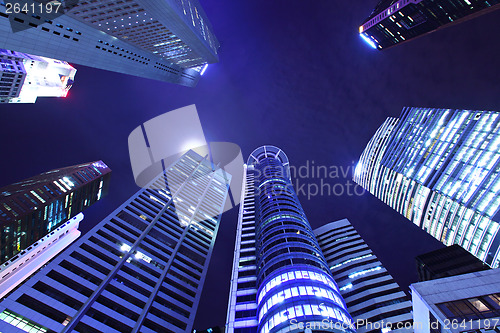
139, 270
39, 217
439, 168
170, 40
280, 280
373, 298
462, 303
448, 261
393, 22
24, 77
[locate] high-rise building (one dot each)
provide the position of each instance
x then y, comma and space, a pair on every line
439, 169
374, 300
24, 77
139, 270
169, 40
39, 217
448, 261
462, 303
280, 280
396, 21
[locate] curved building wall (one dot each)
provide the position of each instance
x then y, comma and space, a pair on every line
293, 280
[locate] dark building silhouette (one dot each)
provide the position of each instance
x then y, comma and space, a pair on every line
393, 22
34, 207
449, 261
39, 217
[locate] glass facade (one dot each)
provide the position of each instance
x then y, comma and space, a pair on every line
141, 269
281, 281
466, 303
439, 168
393, 22
169, 40
150, 30
449, 261
33, 208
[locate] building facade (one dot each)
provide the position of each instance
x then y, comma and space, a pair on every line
374, 300
280, 280
449, 261
439, 169
24, 77
462, 303
39, 217
396, 21
141, 269
168, 40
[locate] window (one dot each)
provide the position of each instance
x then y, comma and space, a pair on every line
473, 308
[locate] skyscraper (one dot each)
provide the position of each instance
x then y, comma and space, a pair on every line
39, 217
372, 296
280, 280
24, 77
439, 169
139, 270
169, 40
397, 21
448, 261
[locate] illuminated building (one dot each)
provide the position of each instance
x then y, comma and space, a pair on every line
396, 21
39, 217
462, 303
170, 40
140, 269
448, 261
24, 77
280, 280
439, 169
372, 296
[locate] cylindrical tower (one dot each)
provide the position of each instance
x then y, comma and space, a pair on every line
295, 288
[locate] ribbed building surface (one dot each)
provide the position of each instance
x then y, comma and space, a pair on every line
280, 280
162, 40
396, 21
374, 300
141, 269
439, 169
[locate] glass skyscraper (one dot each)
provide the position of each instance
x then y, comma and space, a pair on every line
374, 300
39, 217
24, 77
440, 169
280, 280
170, 40
396, 21
141, 269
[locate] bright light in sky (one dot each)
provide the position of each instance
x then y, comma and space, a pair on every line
191, 144
369, 41
204, 69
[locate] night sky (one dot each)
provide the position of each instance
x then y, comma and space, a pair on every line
294, 74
